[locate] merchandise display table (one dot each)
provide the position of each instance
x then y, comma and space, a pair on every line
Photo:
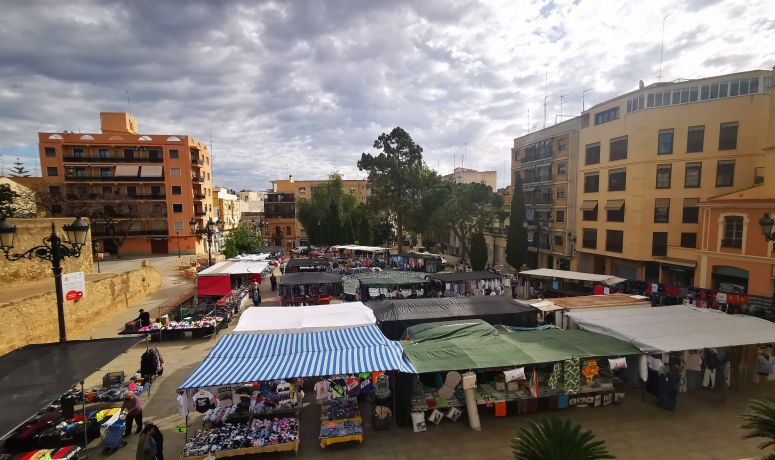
285, 447
277, 434
351, 426
64, 453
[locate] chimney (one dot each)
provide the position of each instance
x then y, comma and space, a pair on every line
290, 178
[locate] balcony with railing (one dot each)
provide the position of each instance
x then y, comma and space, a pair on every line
197, 161
103, 233
198, 179
101, 178
118, 159
533, 178
199, 196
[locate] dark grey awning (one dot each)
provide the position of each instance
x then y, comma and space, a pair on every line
307, 263
34, 376
292, 279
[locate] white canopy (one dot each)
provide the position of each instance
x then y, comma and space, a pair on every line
569, 275
355, 247
235, 267
545, 305
676, 328
312, 318
250, 257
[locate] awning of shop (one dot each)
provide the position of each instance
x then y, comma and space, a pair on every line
614, 205
734, 272
151, 171
394, 316
571, 275
219, 285
311, 318
126, 170
302, 278
464, 276
589, 205
242, 358
676, 328
34, 376
477, 345
667, 263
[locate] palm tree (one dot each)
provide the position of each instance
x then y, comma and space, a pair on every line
555, 439
760, 421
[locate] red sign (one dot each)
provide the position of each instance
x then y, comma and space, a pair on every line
74, 295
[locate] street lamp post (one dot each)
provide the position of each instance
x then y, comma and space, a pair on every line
767, 223
54, 250
208, 232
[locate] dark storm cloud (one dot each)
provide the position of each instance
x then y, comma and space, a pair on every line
303, 87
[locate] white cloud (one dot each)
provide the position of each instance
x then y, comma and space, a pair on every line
304, 87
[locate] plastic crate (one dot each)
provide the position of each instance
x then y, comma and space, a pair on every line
113, 378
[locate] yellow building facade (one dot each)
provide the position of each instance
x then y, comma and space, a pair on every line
547, 160
649, 159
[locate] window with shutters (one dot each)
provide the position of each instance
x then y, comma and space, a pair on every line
662, 210
665, 142
695, 139
614, 240
664, 175
589, 238
659, 244
727, 139
617, 180
733, 232
592, 154
725, 173
693, 175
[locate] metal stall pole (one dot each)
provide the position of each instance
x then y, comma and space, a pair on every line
85, 424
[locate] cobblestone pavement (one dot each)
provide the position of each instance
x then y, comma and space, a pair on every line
703, 427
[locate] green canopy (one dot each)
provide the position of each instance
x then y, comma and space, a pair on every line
471, 345
392, 282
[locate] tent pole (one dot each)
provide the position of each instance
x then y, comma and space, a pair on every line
85, 424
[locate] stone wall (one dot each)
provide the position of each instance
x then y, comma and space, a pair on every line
34, 319
30, 233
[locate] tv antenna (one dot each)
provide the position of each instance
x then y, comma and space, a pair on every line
662, 47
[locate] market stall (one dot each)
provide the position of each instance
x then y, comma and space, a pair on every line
395, 316
418, 262
309, 288
355, 250
395, 287
548, 282
529, 370
219, 279
687, 347
338, 342
301, 264
554, 311
467, 283
36, 375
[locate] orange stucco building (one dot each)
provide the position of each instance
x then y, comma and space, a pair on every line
166, 179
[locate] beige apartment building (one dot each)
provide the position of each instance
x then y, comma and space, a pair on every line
651, 159
281, 228
150, 185
547, 161
227, 208
472, 176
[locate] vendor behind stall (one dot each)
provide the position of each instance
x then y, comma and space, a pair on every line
144, 318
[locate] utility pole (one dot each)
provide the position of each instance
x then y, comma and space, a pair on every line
662, 47
583, 94
546, 87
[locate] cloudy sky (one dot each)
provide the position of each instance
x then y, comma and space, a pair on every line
303, 87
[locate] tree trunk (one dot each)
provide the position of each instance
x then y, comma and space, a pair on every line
400, 231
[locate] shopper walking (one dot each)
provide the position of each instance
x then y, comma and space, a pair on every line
134, 412
146, 446
273, 282
159, 439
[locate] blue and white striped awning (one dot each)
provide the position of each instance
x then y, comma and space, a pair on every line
243, 358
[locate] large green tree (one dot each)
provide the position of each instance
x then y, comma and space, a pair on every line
478, 251
331, 216
396, 175
241, 240
425, 217
516, 239
468, 208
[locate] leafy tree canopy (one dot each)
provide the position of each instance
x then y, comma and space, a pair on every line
395, 173
241, 240
468, 209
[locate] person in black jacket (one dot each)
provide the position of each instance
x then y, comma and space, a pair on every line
144, 317
159, 438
